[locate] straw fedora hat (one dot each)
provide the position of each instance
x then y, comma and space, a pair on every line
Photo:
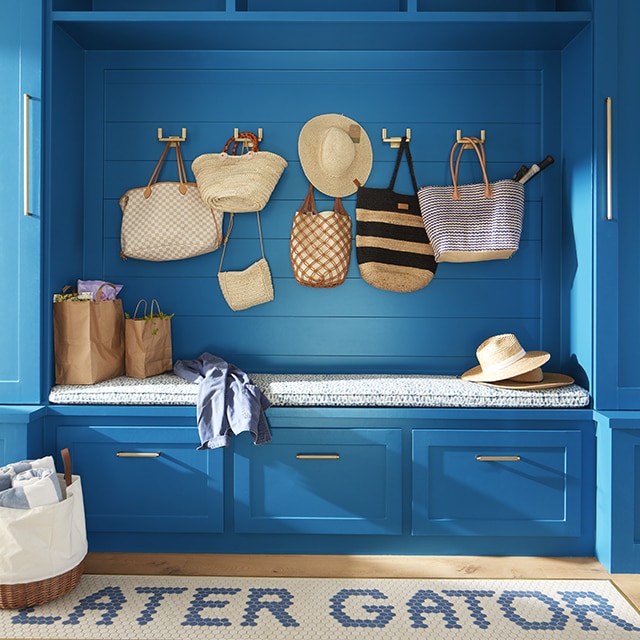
536, 379
502, 357
335, 154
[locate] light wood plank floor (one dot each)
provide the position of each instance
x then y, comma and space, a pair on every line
361, 567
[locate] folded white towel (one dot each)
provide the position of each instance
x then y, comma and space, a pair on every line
29, 483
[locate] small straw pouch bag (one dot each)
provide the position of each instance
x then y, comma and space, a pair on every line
320, 244
392, 247
473, 222
238, 183
250, 287
168, 220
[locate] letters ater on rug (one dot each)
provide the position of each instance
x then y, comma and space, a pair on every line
175, 608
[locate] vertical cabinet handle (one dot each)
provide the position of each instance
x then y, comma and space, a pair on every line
609, 162
25, 141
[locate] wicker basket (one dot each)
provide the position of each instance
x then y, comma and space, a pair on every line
31, 594
26, 568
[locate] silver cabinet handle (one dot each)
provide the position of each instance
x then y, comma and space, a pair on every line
25, 141
133, 454
497, 458
609, 162
317, 456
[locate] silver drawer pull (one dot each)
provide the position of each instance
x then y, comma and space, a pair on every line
134, 454
497, 458
318, 456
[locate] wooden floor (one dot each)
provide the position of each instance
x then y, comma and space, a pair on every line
361, 567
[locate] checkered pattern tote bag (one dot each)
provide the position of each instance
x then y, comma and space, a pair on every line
168, 220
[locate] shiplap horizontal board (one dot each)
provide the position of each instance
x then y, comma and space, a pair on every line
369, 98
353, 299
295, 336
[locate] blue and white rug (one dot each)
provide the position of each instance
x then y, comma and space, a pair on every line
190, 608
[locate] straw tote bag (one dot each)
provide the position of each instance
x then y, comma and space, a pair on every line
473, 222
320, 244
238, 183
392, 247
168, 220
250, 287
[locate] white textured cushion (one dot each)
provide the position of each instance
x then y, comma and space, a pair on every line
335, 390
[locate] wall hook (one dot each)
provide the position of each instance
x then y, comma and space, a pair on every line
468, 146
172, 139
395, 142
237, 138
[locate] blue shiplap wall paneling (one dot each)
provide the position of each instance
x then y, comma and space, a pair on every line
354, 327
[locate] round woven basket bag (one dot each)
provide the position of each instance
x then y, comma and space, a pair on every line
320, 244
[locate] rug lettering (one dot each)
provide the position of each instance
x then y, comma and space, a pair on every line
370, 608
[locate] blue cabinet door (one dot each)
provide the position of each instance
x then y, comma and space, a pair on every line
146, 479
617, 206
344, 481
20, 236
497, 483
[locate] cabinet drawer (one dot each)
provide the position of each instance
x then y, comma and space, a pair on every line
320, 481
146, 479
496, 483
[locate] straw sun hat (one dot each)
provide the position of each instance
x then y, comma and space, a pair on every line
335, 154
504, 363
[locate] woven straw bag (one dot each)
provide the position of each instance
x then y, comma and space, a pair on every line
168, 220
392, 247
238, 183
472, 222
320, 244
249, 287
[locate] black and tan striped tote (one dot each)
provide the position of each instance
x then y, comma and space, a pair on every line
392, 246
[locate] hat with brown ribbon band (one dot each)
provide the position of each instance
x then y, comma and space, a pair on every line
335, 154
502, 357
536, 379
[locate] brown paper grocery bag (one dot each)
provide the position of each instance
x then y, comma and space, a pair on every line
148, 349
88, 340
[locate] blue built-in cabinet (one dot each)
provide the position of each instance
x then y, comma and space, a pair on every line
21, 109
534, 79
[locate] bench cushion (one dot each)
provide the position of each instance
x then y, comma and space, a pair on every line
335, 390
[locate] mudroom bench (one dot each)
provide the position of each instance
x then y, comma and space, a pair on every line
358, 464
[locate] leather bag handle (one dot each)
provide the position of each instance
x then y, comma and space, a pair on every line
182, 175
241, 136
309, 203
479, 149
66, 461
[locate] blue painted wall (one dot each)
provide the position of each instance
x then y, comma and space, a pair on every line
117, 100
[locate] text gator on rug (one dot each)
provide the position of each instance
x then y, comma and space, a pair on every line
173, 607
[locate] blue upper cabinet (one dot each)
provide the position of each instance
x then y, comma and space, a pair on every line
20, 194
617, 206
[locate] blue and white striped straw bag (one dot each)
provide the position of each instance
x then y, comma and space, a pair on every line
472, 222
